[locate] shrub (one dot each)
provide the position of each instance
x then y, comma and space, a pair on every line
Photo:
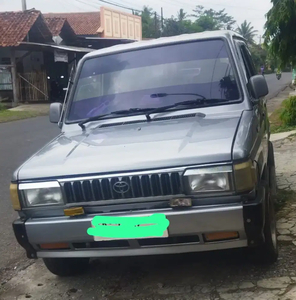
288, 114
2, 106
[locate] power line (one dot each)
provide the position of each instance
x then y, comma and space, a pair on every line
97, 7
119, 5
124, 7
63, 2
217, 4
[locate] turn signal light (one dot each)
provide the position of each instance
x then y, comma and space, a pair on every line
14, 197
54, 246
220, 236
245, 175
75, 211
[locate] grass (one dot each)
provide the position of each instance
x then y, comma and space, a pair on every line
276, 124
8, 115
283, 205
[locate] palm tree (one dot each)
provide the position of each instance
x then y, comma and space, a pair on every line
247, 31
181, 15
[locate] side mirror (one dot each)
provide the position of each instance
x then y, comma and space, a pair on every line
55, 112
259, 86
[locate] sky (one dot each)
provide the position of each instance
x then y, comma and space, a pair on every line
252, 10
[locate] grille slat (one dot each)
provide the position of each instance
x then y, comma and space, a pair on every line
171, 184
111, 188
151, 186
159, 180
93, 191
101, 188
74, 192
132, 186
141, 186
127, 187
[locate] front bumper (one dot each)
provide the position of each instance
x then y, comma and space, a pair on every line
186, 233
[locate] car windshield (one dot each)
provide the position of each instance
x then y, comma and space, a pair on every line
131, 79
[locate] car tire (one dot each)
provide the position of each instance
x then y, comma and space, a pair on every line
65, 267
267, 253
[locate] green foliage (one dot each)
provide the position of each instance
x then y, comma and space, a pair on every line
247, 31
2, 106
283, 198
288, 114
151, 23
210, 19
280, 34
259, 55
8, 115
200, 20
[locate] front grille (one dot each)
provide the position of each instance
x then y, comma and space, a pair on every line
126, 187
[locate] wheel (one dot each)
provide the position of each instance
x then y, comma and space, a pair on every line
66, 266
272, 172
268, 252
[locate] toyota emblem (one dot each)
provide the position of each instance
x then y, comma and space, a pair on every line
121, 187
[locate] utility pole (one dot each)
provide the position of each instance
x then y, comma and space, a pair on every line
155, 17
24, 5
161, 20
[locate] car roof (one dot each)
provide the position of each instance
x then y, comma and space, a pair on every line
228, 34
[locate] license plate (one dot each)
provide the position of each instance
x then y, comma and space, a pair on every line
160, 227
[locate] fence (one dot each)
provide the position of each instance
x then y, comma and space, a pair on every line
33, 87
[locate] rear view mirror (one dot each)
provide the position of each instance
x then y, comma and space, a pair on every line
55, 112
259, 86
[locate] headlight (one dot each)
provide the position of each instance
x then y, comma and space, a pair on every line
213, 179
43, 193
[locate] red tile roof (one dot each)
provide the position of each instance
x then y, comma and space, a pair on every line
55, 25
15, 26
85, 23
60, 27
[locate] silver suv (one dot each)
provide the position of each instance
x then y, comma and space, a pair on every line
174, 127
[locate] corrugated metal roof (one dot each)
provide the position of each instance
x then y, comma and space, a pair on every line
58, 47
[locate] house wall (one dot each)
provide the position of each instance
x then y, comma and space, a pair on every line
33, 62
117, 24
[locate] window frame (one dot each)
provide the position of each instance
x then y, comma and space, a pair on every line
246, 62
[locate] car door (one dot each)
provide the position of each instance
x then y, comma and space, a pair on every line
259, 108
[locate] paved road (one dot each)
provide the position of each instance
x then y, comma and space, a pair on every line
19, 140
275, 85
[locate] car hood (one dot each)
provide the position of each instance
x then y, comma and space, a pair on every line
140, 146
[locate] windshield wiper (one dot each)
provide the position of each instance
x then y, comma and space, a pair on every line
128, 112
184, 103
161, 95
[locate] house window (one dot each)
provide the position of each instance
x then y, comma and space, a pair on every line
5, 79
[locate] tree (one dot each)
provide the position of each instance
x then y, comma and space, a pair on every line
280, 34
210, 19
247, 31
151, 23
182, 15
259, 55
180, 25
